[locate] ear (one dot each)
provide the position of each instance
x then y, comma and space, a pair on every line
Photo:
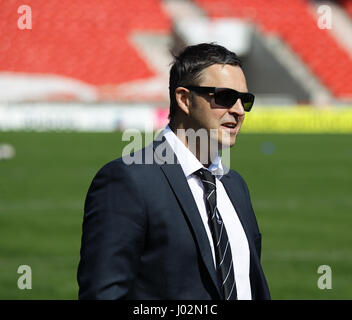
183, 99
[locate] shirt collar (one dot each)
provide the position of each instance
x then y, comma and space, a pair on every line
187, 159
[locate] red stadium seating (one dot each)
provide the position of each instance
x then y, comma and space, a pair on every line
348, 6
294, 22
86, 40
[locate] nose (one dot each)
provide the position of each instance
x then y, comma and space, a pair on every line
237, 108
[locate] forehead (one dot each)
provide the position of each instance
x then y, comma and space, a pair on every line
224, 75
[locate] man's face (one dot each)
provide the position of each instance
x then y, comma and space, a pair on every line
202, 113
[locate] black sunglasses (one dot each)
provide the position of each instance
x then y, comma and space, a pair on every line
226, 97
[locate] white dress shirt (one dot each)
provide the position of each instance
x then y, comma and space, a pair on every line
235, 232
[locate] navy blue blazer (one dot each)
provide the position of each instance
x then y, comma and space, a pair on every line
143, 236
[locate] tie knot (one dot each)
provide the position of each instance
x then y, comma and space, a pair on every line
207, 178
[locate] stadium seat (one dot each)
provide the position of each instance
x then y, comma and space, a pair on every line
87, 40
295, 23
347, 4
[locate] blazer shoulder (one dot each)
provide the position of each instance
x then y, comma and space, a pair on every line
236, 177
127, 163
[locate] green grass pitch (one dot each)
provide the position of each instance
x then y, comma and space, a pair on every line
301, 189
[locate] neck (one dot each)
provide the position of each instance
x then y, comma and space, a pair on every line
198, 145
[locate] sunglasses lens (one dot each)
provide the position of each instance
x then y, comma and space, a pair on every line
226, 98
247, 101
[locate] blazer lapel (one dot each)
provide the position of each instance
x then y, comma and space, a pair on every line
179, 185
236, 201
242, 215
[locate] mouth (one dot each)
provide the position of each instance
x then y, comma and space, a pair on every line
230, 126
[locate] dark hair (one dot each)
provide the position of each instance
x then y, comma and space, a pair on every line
189, 64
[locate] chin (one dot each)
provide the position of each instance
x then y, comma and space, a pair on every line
227, 143
228, 140
223, 139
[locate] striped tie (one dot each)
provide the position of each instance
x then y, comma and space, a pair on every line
222, 245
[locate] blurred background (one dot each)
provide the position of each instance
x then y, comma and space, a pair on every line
75, 74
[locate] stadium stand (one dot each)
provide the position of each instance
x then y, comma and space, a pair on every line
95, 44
295, 23
347, 4
88, 40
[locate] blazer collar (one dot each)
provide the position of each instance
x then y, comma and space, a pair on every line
236, 200
242, 213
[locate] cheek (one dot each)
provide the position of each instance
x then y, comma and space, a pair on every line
207, 117
216, 113
213, 118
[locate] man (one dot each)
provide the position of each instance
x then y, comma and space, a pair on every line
178, 227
